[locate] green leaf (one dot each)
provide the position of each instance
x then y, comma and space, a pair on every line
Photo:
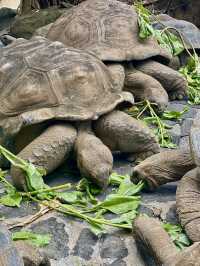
127, 188
119, 204
70, 197
126, 218
39, 240
116, 179
33, 175
174, 115
97, 228
177, 235
11, 200
89, 188
192, 74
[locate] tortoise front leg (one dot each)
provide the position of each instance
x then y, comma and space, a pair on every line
160, 246
173, 82
121, 132
94, 159
145, 87
48, 151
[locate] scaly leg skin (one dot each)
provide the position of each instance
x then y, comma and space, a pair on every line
48, 151
188, 204
94, 159
173, 82
164, 167
150, 232
144, 87
121, 132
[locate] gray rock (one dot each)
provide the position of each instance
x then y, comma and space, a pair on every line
113, 247
7, 16
186, 126
175, 134
25, 26
184, 142
58, 246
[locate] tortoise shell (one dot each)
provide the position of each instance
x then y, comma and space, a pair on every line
108, 28
42, 80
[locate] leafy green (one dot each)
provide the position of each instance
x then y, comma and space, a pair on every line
33, 174
90, 189
39, 240
191, 71
145, 28
124, 199
165, 38
97, 228
169, 41
126, 218
122, 203
147, 113
71, 197
177, 235
127, 188
174, 115
11, 200
116, 179
119, 204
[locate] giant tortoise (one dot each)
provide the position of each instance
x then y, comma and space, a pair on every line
174, 165
49, 90
109, 29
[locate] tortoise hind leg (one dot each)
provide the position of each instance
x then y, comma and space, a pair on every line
48, 151
173, 82
160, 246
94, 159
145, 87
121, 132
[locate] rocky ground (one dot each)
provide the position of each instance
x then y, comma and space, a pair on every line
73, 243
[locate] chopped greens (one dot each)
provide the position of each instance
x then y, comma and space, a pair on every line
39, 240
177, 235
33, 174
165, 37
147, 113
191, 71
79, 201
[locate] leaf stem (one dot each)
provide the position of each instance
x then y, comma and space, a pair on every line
66, 186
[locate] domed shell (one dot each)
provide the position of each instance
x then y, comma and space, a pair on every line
42, 80
108, 28
190, 33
